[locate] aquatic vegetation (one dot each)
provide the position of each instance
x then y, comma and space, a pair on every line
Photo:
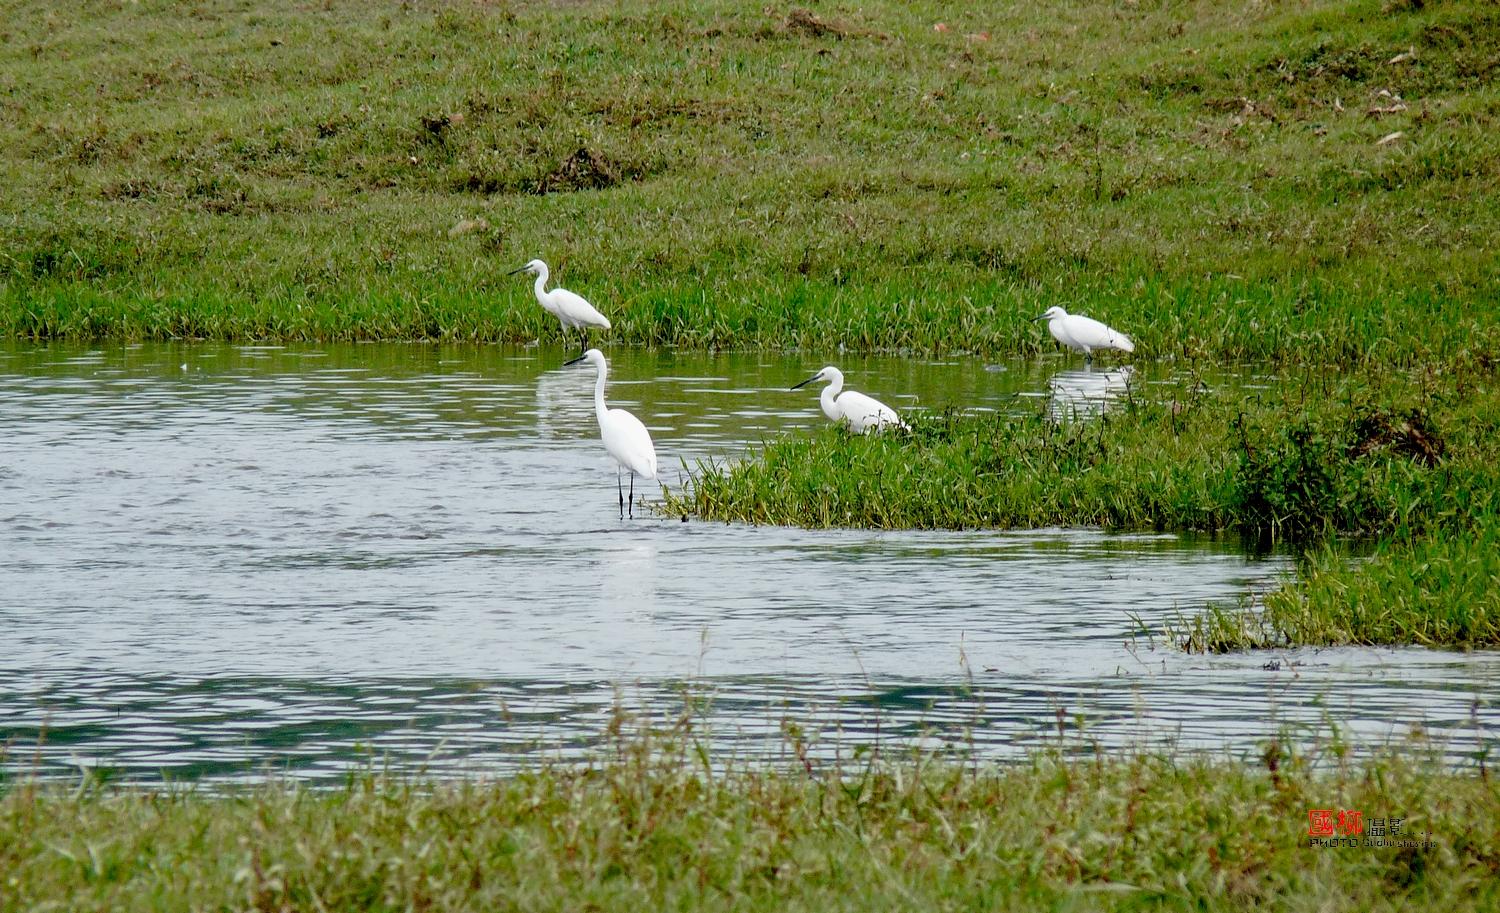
1441, 590
1212, 182
1314, 456
659, 823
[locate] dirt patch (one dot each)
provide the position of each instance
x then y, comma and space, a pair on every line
131, 189
434, 127
582, 169
1410, 435
804, 22
801, 20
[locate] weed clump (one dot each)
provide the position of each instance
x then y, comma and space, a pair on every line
1411, 435
1321, 475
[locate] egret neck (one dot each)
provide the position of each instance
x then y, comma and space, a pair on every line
600, 410
829, 398
541, 283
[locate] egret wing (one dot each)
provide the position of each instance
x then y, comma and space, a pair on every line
1060, 332
578, 312
865, 412
1086, 331
628, 441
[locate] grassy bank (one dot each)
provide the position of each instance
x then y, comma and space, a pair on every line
1313, 455
653, 829
1440, 591
1405, 460
1218, 181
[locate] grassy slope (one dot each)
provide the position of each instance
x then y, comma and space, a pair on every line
1205, 175
650, 831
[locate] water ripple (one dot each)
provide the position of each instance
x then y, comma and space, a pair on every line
225, 562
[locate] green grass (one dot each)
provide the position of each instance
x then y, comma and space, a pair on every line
1315, 455
1438, 591
1444, 591
1206, 177
657, 826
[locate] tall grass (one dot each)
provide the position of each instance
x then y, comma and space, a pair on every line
1439, 591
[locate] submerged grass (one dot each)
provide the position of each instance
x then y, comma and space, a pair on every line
658, 826
1215, 180
1404, 460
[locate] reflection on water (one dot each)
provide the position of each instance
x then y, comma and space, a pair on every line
564, 402
1086, 392
220, 559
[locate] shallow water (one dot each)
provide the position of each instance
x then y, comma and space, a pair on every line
226, 560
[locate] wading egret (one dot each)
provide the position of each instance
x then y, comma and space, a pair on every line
626, 439
863, 413
570, 309
1084, 333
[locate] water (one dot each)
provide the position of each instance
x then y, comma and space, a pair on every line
223, 561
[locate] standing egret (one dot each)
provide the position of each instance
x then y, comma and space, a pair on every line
863, 413
570, 309
1084, 333
626, 439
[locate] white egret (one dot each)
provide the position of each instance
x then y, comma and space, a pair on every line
1084, 333
572, 310
626, 439
863, 413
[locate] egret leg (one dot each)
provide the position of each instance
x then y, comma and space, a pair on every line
583, 340
621, 490
632, 494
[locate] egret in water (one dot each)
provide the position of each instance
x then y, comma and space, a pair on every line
1084, 333
626, 439
863, 413
572, 310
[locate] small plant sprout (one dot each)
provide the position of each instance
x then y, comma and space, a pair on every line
571, 309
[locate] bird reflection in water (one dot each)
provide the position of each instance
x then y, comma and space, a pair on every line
1086, 392
564, 404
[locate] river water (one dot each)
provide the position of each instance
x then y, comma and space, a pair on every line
225, 562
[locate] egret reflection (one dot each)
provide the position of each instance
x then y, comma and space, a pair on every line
627, 580
564, 404
1086, 392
